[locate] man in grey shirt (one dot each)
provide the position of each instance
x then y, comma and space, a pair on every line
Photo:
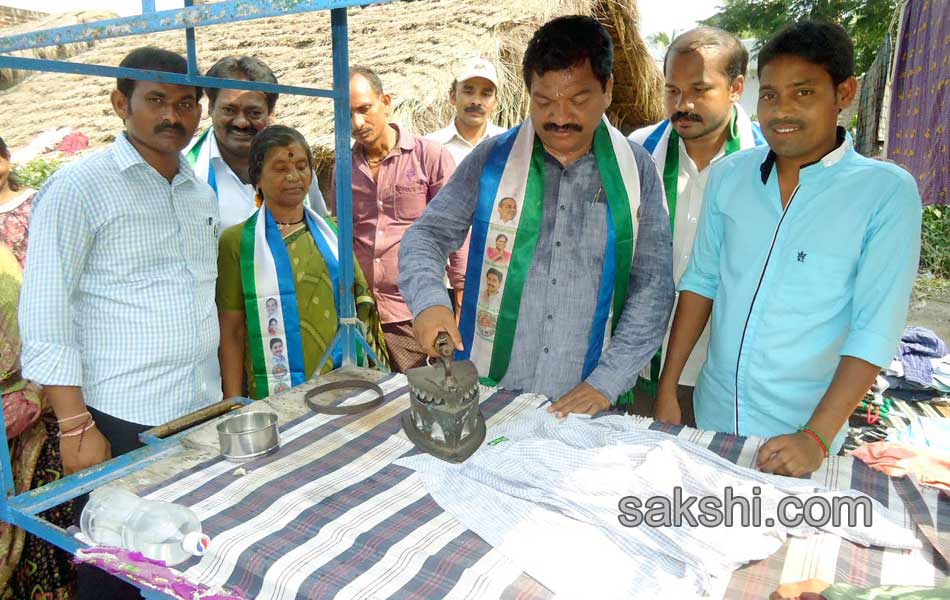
567, 68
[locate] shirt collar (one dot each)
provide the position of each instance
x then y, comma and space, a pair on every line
213, 151
842, 147
126, 156
125, 153
446, 134
451, 132
404, 141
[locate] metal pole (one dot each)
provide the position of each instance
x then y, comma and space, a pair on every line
6, 467
344, 191
190, 44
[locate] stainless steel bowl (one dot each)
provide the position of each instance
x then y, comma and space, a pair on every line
248, 435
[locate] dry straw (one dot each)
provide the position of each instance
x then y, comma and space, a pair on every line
414, 46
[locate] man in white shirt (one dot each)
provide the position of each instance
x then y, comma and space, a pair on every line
219, 156
474, 94
704, 70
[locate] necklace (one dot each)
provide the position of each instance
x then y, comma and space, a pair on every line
282, 225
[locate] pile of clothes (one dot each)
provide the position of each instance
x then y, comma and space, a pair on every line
919, 371
914, 445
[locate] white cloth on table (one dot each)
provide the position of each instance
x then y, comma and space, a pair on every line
547, 496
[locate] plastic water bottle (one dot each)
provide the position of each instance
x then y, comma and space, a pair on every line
159, 530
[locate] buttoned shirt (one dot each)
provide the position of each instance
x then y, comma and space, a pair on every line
796, 289
118, 294
409, 177
560, 291
547, 493
236, 199
690, 188
458, 146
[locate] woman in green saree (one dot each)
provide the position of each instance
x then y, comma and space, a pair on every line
29, 567
276, 274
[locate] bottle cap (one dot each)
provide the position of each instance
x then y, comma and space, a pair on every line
195, 543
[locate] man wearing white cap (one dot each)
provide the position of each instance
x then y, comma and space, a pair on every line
474, 94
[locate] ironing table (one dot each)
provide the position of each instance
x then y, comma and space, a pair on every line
330, 516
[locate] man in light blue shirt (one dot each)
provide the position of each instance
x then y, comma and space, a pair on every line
805, 257
117, 312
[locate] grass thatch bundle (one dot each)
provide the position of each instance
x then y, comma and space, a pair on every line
414, 46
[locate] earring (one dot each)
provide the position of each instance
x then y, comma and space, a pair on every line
259, 198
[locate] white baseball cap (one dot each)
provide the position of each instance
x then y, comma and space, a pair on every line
477, 67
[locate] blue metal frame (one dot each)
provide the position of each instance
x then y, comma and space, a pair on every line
23, 510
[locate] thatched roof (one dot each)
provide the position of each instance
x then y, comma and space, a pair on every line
414, 46
10, 77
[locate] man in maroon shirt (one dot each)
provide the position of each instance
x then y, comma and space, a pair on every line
395, 175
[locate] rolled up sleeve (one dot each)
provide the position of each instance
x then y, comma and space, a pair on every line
885, 275
646, 311
60, 239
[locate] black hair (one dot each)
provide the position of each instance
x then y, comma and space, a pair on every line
495, 272
737, 57
150, 58
12, 180
501, 235
274, 321
274, 300
566, 42
275, 136
246, 67
369, 75
275, 341
824, 44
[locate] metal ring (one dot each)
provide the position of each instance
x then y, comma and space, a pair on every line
345, 384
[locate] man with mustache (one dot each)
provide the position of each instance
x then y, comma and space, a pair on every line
474, 94
220, 154
586, 296
117, 310
805, 257
395, 175
705, 71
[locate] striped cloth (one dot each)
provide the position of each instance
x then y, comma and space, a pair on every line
329, 515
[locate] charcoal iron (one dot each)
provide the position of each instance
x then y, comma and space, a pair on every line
444, 418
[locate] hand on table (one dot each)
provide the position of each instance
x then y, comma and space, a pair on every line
794, 454
583, 399
667, 408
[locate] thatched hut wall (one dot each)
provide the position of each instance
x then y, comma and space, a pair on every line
10, 77
414, 46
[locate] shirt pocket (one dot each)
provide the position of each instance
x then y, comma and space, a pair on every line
409, 200
817, 283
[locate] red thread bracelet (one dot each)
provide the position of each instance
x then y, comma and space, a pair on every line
815, 437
